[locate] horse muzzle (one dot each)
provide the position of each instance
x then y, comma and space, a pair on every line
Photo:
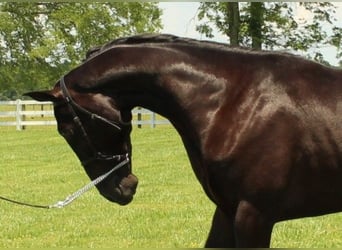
119, 190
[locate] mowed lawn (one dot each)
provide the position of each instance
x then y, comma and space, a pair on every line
169, 210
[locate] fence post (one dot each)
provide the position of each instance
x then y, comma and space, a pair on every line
139, 117
18, 114
153, 120
42, 109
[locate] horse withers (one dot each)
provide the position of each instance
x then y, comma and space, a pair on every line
261, 129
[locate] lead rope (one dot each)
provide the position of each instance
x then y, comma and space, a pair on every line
75, 195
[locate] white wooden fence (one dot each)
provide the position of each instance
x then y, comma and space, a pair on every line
21, 113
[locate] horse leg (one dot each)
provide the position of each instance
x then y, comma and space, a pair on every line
252, 229
221, 232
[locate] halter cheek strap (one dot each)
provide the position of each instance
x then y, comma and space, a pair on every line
71, 102
97, 155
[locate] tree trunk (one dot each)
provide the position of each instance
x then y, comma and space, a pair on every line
233, 14
256, 23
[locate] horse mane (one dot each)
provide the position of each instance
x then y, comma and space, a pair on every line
153, 38
168, 38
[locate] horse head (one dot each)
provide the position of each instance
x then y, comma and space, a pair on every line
94, 128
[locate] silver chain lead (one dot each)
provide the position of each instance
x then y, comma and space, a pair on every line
78, 193
75, 195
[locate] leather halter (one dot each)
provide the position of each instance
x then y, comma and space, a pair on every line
97, 155
124, 158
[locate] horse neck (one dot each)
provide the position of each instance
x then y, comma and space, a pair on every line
174, 84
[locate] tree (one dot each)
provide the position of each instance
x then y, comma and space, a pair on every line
233, 22
274, 25
255, 24
39, 41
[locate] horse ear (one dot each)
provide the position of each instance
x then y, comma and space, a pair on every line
42, 96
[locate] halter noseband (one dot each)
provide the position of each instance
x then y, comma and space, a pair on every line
97, 155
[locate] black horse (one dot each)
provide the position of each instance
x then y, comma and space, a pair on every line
262, 129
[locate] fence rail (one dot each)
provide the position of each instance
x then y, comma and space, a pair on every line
22, 113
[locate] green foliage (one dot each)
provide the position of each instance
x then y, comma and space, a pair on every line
278, 24
39, 41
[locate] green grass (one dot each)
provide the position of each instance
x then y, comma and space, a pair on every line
169, 209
